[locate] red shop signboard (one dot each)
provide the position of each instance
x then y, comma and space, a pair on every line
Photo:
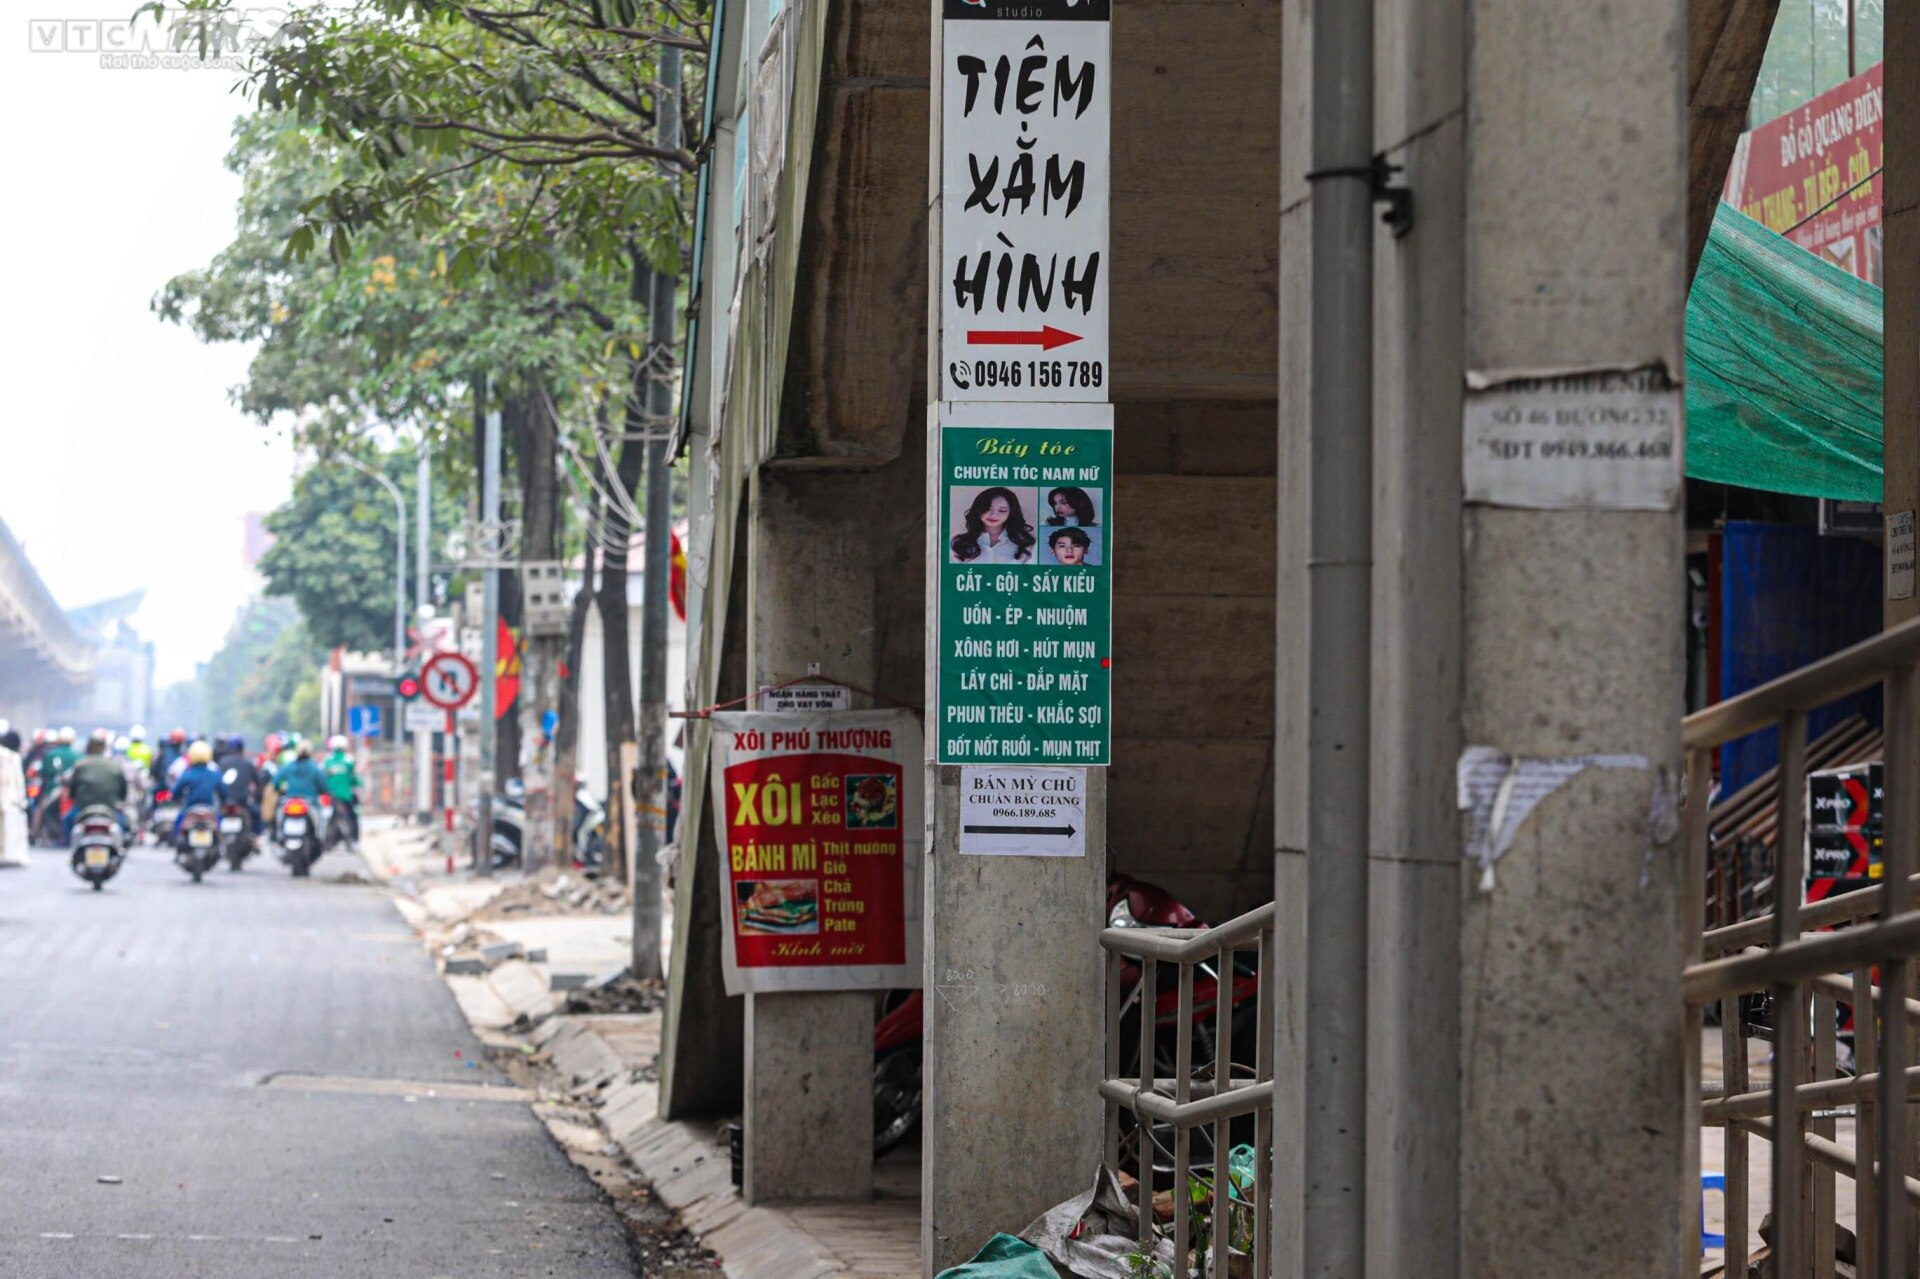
1813, 175
819, 826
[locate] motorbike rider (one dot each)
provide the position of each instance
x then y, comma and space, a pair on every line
342, 783
301, 779
97, 782
139, 753
242, 779
30, 767
170, 750
60, 757
198, 784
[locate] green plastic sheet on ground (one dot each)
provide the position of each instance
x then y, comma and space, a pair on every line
1004, 1257
1784, 383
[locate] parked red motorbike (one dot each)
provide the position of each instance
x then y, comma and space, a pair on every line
899, 1035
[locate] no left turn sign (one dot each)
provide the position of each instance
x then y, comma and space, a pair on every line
449, 681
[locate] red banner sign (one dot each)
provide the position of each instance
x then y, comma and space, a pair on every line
820, 848
1813, 175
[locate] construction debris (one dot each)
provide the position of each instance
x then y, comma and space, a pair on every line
616, 993
562, 893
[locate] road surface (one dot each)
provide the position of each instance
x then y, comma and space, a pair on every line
250, 1061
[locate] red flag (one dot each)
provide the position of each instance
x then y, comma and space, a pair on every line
677, 578
506, 669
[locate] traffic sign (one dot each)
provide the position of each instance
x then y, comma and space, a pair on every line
1024, 254
363, 721
449, 680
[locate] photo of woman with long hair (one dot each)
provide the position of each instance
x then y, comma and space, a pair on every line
1072, 508
994, 530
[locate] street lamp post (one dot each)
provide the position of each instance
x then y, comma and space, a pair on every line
399, 559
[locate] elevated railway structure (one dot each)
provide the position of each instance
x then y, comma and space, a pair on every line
44, 659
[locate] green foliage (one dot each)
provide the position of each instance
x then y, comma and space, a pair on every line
402, 327
333, 551
1807, 52
425, 96
250, 684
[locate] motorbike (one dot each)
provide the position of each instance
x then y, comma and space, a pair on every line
197, 850
510, 826
139, 800
236, 834
296, 830
98, 846
49, 828
899, 1032
161, 816
338, 827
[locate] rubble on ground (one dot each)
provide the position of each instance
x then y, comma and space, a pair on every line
558, 893
616, 993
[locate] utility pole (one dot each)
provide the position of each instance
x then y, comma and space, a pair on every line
651, 782
489, 638
423, 534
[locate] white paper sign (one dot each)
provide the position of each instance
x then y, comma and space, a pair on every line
1899, 555
807, 697
1024, 258
1594, 439
1023, 812
1499, 791
423, 717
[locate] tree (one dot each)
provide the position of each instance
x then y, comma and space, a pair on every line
1807, 52
446, 124
252, 684
403, 327
480, 86
333, 551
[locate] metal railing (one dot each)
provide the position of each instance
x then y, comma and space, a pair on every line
1797, 1111
1193, 1094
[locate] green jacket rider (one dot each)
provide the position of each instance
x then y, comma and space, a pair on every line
342, 780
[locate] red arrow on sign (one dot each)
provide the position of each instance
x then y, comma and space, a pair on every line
1046, 338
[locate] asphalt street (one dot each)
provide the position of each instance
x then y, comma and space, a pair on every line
236, 1078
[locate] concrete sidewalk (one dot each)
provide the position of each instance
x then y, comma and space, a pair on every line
606, 1066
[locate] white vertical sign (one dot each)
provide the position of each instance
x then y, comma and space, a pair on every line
1899, 554
1025, 141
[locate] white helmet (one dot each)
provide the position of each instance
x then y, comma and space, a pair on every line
138, 732
337, 742
121, 743
67, 734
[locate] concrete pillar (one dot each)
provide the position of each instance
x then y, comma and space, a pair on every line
811, 597
1575, 1128
1901, 247
1015, 977
1015, 1014
1526, 1044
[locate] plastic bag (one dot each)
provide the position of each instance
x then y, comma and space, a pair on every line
1092, 1235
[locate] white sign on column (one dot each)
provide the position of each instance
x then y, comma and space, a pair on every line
1025, 134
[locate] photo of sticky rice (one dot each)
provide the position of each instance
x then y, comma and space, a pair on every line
873, 801
781, 906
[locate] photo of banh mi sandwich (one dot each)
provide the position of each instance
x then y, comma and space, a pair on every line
785, 906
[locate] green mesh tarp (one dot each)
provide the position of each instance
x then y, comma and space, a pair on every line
1783, 368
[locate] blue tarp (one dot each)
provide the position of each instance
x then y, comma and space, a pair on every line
1788, 597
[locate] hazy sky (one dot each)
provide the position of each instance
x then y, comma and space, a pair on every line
122, 462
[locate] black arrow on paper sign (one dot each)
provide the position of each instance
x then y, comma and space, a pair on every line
1018, 830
